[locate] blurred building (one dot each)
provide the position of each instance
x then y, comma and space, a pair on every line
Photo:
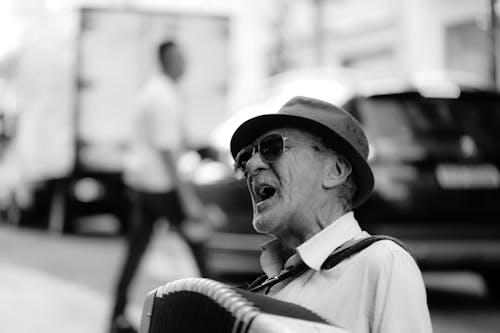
382, 38
386, 37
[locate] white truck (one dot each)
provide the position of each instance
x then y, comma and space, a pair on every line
76, 80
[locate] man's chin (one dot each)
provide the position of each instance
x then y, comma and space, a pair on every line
259, 224
263, 223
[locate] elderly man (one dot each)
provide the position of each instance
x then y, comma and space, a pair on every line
306, 169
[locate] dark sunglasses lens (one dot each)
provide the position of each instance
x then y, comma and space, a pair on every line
242, 158
271, 147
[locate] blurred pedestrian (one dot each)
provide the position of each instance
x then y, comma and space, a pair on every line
151, 173
306, 169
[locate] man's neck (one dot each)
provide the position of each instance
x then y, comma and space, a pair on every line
293, 238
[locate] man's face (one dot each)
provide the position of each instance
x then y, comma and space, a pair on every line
285, 193
174, 62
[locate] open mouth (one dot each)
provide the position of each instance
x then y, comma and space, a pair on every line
263, 192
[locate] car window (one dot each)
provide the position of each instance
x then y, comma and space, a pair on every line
410, 126
385, 119
479, 117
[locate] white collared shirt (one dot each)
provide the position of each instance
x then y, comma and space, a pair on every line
380, 289
156, 126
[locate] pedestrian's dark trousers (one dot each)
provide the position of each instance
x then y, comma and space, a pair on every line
146, 209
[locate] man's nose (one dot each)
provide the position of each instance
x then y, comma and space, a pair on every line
256, 164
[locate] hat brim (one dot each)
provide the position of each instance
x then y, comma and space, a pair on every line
250, 130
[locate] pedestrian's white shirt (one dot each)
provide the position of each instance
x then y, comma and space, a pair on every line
156, 126
378, 290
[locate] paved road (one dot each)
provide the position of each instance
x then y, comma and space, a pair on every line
60, 283
65, 283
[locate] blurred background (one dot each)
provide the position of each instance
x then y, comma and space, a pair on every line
420, 75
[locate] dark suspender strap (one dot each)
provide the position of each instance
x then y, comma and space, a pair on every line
250, 285
269, 282
337, 257
334, 259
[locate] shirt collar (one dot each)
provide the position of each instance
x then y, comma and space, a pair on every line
315, 250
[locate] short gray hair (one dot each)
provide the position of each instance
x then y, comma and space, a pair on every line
346, 192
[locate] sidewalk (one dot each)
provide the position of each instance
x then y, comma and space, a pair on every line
31, 299
56, 283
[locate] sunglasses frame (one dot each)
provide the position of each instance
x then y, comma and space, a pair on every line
240, 167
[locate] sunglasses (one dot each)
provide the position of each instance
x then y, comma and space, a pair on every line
270, 149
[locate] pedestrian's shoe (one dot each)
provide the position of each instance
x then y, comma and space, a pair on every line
121, 324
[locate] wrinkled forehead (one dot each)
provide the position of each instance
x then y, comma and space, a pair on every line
292, 134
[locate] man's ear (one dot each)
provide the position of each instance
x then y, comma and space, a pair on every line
338, 169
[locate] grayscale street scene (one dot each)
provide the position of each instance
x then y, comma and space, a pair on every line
249, 166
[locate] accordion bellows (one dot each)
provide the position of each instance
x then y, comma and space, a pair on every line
204, 305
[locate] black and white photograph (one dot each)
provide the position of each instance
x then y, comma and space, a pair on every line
261, 166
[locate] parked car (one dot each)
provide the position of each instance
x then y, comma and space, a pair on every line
435, 155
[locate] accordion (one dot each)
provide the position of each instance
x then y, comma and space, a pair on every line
203, 305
